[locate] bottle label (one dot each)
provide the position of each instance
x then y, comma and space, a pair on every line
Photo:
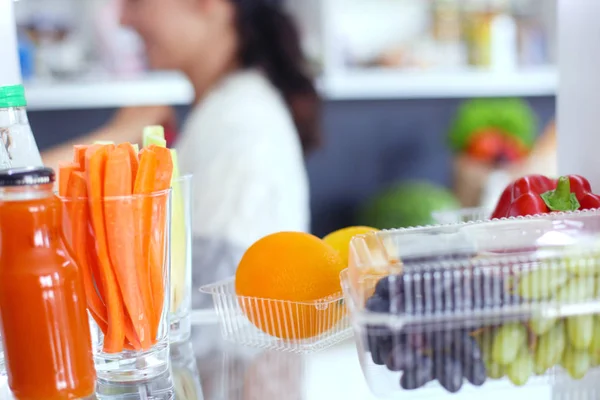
5, 158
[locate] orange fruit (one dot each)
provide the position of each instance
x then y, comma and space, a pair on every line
340, 239
281, 279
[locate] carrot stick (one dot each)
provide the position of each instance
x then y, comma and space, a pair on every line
64, 174
79, 216
133, 159
79, 156
120, 232
92, 259
164, 171
99, 321
144, 184
95, 166
162, 181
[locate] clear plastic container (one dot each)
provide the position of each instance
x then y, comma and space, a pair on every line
239, 317
462, 215
482, 214
495, 304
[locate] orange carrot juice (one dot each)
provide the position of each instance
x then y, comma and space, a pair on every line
45, 327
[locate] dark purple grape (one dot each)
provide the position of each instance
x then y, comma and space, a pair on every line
493, 291
449, 373
376, 355
415, 340
418, 377
468, 348
446, 340
401, 357
393, 287
397, 305
384, 347
382, 288
379, 345
378, 304
474, 371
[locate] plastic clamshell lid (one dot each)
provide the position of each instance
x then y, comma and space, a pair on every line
379, 254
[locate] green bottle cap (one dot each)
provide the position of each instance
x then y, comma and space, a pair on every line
12, 96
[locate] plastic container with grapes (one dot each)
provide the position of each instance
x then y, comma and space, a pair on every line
492, 304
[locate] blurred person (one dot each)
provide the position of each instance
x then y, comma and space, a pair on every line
255, 116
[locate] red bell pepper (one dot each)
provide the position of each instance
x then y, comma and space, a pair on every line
532, 184
582, 189
536, 194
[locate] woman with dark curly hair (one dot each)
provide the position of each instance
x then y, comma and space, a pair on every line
255, 113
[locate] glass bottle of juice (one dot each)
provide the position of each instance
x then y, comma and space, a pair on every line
17, 144
44, 323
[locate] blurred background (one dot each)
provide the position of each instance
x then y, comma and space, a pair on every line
436, 100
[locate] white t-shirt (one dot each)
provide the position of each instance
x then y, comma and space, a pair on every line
250, 180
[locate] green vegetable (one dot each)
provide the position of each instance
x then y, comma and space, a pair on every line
179, 244
561, 198
509, 340
513, 117
154, 135
405, 205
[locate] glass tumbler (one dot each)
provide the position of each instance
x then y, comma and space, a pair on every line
181, 259
122, 247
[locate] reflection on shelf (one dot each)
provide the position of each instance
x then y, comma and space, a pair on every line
373, 84
158, 88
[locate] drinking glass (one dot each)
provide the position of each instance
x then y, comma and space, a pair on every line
122, 248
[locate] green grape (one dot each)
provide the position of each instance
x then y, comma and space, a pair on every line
507, 342
595, 343
493, 370
538, 370
580, 330
595, 358
542, 283
577, 289
539, 326
582, 266
521, 369
485, 340
576, 362
550, 347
